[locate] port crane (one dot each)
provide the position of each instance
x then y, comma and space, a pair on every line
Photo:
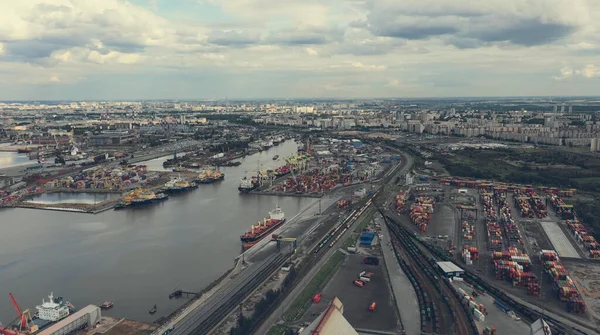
25, 320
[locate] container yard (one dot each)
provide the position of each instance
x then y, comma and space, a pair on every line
563, 286
106, 179
421, 211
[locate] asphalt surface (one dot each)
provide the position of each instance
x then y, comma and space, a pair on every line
356, 300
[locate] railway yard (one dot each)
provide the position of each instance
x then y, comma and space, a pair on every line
511, 237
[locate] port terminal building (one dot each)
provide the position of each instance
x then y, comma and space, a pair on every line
451, 270
87, 317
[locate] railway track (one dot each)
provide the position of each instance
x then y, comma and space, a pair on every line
205, 318
441, 309
526, 313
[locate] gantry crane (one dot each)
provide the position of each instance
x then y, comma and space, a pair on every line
25, 320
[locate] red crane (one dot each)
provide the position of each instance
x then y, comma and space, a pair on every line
19, 312
6, 331
24, 317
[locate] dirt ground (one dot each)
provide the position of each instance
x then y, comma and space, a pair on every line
587, 278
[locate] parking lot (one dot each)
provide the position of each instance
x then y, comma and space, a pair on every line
356, 300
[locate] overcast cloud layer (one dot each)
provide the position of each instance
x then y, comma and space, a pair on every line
114, 49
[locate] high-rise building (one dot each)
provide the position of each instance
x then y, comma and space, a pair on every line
570, 108
562, 108
555, 109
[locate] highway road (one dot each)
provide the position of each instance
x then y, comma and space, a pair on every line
203, 319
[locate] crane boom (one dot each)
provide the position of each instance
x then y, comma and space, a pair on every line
19, 312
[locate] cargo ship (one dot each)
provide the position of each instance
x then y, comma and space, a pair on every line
282, 170
141, 197
49, 312
248, 185
210, 176
178, 185
259, 231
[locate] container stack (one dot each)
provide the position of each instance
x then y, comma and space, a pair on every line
522, 203
470, 254
493, 228
400, 201
562, 284
420, 212
515, 267
468, 232
538, 205
583, 237
564, 211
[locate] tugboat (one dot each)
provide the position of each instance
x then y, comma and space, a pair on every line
248, 185
152, 310
178, 185
106, 305
210, 176
258, 232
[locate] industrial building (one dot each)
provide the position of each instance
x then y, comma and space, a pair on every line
451, 270
331, 322
87, 317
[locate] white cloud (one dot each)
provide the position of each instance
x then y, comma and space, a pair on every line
309, 51
589, 71
565, 72
352, 47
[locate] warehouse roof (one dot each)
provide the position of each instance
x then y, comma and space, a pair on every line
449, 267
540, 327
69, 319
331, 322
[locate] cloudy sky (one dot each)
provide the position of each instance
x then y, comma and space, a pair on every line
210, 49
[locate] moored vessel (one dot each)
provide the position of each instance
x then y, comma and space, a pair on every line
248, 185
178, 185
140, 197
208, 176
276, 157
106, 305
259, 231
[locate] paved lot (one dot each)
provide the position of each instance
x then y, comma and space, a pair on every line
496, 317
357, 300
443, 221
559, 240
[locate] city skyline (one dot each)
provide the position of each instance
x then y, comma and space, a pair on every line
267, 49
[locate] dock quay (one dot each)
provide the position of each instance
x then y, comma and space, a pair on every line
285, 194
72, 207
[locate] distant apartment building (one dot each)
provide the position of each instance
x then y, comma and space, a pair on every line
112, 137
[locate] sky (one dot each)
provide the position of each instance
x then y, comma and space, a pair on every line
252, 49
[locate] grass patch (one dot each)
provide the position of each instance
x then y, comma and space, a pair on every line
279, 330
303, 301
364, 220
350, 242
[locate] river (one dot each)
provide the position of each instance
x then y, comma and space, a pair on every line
133, 257
12, 159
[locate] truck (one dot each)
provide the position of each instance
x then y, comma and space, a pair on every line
364, 279
359, 283
372, 260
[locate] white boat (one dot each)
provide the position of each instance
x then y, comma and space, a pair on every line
53, 309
